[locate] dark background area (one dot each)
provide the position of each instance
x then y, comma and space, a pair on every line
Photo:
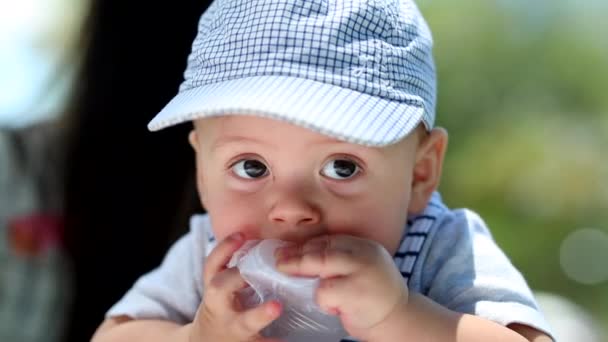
129, 192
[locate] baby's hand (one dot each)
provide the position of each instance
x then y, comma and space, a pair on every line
220, 316
359, 280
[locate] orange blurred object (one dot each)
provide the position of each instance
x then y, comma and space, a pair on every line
32, 235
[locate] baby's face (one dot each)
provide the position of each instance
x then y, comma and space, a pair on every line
271, 179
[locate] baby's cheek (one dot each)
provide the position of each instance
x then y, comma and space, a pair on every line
230, 218
360, 217
225, 224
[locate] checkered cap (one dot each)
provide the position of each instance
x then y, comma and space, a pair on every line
357, 70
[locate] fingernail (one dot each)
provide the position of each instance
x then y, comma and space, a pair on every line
332, 311
274, 308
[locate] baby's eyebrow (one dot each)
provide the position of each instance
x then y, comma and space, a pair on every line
236, 139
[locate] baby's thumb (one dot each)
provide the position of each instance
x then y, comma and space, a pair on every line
252, 321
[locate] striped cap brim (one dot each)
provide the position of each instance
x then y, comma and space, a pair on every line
334, 111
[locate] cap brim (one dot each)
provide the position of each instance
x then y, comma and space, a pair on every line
338, 112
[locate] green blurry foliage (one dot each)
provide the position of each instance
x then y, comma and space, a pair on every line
523, 93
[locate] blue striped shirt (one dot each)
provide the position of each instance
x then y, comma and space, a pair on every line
446, 255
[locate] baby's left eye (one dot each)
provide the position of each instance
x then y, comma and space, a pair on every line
340, 169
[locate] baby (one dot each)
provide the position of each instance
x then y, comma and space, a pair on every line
314, 124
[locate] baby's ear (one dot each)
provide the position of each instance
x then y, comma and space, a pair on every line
193, 139
427, 169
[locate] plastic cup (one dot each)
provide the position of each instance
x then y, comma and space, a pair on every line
302, 319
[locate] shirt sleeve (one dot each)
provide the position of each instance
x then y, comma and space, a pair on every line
467, 272
173, 290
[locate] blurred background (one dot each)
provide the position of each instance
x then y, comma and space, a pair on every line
89, 200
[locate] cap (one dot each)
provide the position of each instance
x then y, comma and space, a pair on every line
361, 71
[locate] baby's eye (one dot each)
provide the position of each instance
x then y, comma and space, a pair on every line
250, 169
340, 169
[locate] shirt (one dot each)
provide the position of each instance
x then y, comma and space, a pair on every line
447, 255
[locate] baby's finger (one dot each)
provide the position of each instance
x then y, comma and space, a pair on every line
344, 296
321, 263
325, 257
219, 293
346, 243
249, 323
333, 293
221, 254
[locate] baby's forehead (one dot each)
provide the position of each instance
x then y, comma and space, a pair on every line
242, 129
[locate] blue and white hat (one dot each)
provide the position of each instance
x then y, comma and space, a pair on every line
357, 70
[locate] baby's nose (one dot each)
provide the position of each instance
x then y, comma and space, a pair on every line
294, 213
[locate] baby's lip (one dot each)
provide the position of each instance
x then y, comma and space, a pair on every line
297, 237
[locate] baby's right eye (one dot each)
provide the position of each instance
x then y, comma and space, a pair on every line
250, 169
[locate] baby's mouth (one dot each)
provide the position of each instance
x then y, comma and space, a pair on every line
295, 236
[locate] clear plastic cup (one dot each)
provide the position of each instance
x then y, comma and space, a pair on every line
302, 319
